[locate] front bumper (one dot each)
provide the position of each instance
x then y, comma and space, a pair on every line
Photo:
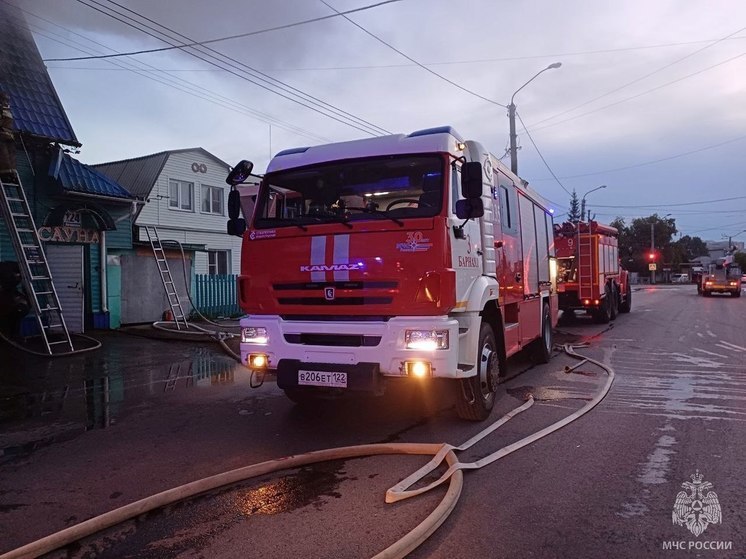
381, 343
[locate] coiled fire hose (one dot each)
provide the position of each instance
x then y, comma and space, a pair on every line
400, 548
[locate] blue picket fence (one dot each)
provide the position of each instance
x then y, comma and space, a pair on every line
216, 295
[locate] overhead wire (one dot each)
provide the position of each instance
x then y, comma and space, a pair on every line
431, 71
185, 86
652, 162
678, 204
641, 78
228, 38
551, 172
261, 75
233, 70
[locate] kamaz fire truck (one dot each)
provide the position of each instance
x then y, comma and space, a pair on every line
589, 277
415, 257
723, 276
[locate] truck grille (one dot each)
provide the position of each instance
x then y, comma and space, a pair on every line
346, 340
347, 293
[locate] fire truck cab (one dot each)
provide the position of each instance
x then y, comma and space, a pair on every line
399, 258
589, 276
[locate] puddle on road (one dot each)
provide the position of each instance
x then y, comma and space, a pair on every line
48, 401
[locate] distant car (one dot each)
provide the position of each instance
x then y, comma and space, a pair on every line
680, 278
743, 278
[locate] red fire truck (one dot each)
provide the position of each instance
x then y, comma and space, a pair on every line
414, 257
589, 276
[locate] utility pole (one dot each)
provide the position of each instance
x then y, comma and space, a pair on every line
652, 250
513, 141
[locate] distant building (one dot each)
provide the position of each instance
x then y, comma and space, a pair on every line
718, 249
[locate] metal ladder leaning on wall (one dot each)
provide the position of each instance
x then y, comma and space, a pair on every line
168, 281
585, 262
35, 273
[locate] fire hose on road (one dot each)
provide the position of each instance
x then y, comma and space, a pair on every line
440, 452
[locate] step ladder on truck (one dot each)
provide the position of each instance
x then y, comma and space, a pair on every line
34, 267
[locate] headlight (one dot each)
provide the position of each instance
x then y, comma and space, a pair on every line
252, 335
426, 339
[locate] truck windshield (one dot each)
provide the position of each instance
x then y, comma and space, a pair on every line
394, 188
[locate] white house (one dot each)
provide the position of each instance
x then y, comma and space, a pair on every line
185, 197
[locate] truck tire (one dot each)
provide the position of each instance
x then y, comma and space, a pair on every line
602, 315
476, 395
541, 349
626, 305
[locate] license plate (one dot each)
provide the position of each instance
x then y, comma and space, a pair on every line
322, 378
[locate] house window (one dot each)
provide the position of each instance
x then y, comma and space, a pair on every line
212, 200
181, 195
217, 262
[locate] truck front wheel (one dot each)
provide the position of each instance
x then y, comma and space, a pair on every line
476, 395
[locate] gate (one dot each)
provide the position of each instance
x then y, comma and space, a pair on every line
215, 295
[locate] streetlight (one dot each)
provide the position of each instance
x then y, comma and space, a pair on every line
582, 202
511, 116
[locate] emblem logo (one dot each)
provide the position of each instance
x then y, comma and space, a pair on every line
329, 293
697, 509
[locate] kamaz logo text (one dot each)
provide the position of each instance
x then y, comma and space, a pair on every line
329, 267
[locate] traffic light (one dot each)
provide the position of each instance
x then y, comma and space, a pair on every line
651, 256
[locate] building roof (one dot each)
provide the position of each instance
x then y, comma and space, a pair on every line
75, 177
138, 175
37, 110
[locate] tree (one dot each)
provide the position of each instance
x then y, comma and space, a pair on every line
740, 259
574, 214
688, 248
634, 241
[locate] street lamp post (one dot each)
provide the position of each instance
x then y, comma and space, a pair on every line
511, 116
730, 238
582, 202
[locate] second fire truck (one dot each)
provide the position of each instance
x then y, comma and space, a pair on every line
589, 276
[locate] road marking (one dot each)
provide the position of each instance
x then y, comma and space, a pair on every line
738, 347
709, 352
728, 348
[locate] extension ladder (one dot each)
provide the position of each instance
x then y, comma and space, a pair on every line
585, 263
35, 273
166, 278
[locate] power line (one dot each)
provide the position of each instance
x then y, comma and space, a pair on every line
641, 78
282, 93
540, 155
433, 72
228, 38
652, 162
535, 128
437, 63
262, 76
663, 205
189, 88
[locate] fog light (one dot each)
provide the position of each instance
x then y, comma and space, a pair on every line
587, 302
258, 361
419, 369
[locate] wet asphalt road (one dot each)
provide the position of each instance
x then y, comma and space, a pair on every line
81, 436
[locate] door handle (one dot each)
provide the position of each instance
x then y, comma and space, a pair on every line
76, 286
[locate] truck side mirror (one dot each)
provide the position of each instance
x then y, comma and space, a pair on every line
469, 208
471, 180
240, 172
236, 227
234, 204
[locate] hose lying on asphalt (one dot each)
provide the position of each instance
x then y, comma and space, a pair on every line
95, 345
402, 547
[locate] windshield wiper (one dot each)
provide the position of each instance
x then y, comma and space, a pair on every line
376, 211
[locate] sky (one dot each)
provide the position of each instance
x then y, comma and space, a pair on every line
650, 99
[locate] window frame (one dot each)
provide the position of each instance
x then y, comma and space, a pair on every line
216, 253
179, 198
210, 188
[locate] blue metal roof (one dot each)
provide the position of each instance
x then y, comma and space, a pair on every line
36, 109
73, 176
